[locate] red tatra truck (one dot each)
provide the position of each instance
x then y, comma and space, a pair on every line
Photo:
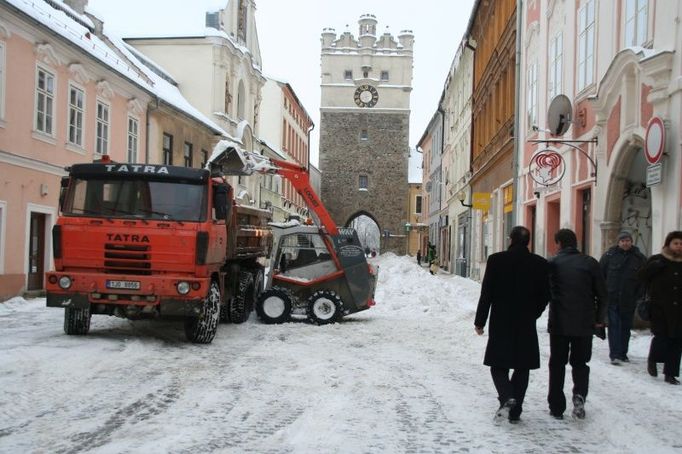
146, 241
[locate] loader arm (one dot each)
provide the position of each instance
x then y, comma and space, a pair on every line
298, 176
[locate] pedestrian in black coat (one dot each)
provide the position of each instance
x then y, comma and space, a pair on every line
419, 257
515, 291
620, 265
577, 307
662, 274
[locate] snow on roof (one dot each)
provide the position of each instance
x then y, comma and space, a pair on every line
414, 170
72, 30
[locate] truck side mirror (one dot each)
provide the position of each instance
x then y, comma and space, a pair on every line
63, 186
220, 201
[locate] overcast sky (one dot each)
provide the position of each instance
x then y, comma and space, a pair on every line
289, 36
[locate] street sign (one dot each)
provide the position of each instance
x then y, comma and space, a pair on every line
654, 174
654, 143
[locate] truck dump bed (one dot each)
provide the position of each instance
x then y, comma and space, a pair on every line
251, 237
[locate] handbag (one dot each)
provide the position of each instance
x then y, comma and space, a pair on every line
644, 308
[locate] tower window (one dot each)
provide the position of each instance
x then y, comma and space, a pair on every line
384, 75
365, 74
348, 74
364, 135
362, 182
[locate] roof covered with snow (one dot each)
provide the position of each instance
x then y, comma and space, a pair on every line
77, 29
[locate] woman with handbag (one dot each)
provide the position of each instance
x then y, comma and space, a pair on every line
662, 275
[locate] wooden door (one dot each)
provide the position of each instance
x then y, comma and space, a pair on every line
36, 252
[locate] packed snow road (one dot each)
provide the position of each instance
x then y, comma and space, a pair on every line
403, 377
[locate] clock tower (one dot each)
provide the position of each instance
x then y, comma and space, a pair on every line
364, 127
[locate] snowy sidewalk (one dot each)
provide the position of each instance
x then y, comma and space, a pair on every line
403, 377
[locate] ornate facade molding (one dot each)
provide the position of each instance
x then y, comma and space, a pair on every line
79, 74
135, 107
47, 54
104, 89
4, 30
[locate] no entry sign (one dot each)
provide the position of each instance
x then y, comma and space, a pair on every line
654, 143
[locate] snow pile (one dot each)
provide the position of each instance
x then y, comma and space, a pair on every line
405, 288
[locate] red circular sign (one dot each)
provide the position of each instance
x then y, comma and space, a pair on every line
654, 142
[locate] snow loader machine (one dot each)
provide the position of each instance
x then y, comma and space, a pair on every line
317, 270
155, 241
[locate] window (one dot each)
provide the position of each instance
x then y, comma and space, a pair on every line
586, 44
187, 153
204, 158
76, 110
133, 138
556, 66
532, 95
636, 22
45, 101
2, 80
167, 147
363, 182
365, 74
102, 139
364, 135
348, 74
418, 205
384, 75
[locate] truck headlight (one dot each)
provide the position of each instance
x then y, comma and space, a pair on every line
183, 287
65, 282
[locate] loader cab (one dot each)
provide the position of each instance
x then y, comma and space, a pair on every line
301, 253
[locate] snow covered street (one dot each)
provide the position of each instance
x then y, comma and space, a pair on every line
403, 377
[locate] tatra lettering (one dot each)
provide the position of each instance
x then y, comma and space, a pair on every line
127, 237
135, 168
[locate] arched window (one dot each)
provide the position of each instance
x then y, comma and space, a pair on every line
241, 100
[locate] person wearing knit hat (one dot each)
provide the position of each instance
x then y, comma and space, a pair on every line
620, 265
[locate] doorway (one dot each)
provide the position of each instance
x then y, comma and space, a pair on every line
36, 252
462, 259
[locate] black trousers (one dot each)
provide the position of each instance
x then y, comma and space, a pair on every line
514, 388
667, 350
568, 349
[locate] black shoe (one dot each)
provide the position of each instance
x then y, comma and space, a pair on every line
625, 359
652, 368
514, 419
502, 413
672, 380
556, 415
578, 406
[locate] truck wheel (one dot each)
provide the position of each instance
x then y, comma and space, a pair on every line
258, 284
76, 321
324, 307
242, 304
202, 329
274, 306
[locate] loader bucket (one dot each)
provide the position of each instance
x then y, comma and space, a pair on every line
229, 159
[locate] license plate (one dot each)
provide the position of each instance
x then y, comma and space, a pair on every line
126, 285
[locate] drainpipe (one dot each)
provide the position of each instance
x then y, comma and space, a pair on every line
517, 92
146, 132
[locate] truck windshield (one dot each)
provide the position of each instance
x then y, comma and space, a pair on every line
140, 199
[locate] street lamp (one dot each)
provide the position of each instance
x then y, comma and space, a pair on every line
461, 196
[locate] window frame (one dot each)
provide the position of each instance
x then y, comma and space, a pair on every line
107, 126
360, 181
79, 116
3, 70
347, 74
555, 77
188, 157
52, 96
418, 204
167, 153
135, 136
532, 94
639, 24
386, 74
586, 35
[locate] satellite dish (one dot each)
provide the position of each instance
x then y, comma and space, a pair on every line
559, 115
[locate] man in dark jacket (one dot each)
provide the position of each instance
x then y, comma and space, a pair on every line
515, 290
663, 276
577, 307
619, 265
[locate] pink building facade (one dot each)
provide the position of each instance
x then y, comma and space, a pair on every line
619, 64
69, 94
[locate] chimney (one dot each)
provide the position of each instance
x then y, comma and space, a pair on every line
77, 5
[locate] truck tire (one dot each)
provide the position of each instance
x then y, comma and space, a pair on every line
258, 284
242, 304
274, 306
202, 329
76, 321
324, 307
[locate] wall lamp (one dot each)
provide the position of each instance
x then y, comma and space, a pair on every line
461, 196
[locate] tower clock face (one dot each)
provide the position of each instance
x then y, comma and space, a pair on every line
366, 96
